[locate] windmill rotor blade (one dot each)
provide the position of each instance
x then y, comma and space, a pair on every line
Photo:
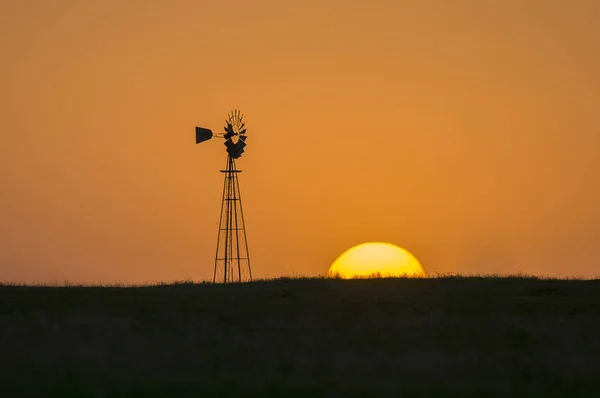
239, 148
203, 134
236, 149
229, 131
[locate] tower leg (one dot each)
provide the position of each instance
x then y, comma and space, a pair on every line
243, 228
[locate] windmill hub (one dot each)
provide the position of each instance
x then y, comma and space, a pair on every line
232, 258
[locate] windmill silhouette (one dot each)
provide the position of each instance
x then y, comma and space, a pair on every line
232, 259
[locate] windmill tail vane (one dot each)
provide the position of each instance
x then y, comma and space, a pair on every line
232, 259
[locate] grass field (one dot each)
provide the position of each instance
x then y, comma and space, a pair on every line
304, 337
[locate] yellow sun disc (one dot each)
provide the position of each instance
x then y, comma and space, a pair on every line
376, 259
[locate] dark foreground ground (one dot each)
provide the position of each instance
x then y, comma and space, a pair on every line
388, 337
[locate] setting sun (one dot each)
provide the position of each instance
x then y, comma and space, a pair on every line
376, 259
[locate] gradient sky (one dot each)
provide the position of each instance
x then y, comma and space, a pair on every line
467, 132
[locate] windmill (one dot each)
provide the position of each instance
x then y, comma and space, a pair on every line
232, 260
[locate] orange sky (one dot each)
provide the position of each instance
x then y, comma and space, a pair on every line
467, 132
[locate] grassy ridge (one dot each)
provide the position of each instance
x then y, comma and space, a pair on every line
319, 337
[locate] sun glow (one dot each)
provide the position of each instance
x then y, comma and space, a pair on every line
376, 259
